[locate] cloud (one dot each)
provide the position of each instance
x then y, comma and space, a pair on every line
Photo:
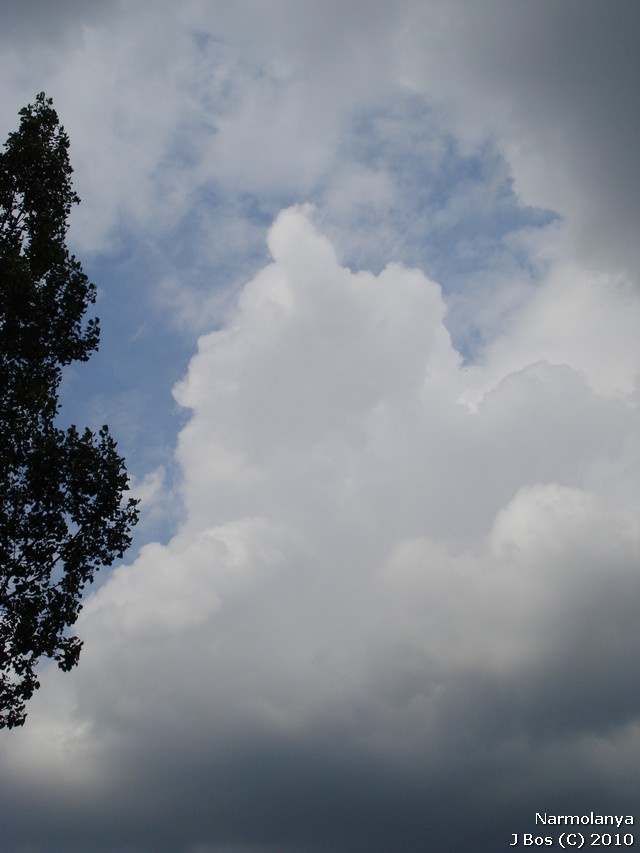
554, 84
399, 608
159, 101
165, 104
387, 616
580, 318
59, 23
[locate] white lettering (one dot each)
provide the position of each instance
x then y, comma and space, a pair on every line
592, 818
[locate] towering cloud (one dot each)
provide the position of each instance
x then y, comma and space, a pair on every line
399, 582
391, 603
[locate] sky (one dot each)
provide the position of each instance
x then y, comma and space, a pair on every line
368, 286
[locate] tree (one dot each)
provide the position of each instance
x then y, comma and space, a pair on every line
63, 513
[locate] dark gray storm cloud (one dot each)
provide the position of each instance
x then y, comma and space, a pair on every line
484, 778
564, 76
38, 21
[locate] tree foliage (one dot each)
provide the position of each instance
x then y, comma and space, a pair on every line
63, 513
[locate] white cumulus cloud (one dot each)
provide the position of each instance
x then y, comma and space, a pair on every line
366, 563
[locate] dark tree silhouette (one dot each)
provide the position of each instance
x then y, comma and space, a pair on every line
63, 513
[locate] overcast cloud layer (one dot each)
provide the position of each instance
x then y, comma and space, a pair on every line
385, 590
